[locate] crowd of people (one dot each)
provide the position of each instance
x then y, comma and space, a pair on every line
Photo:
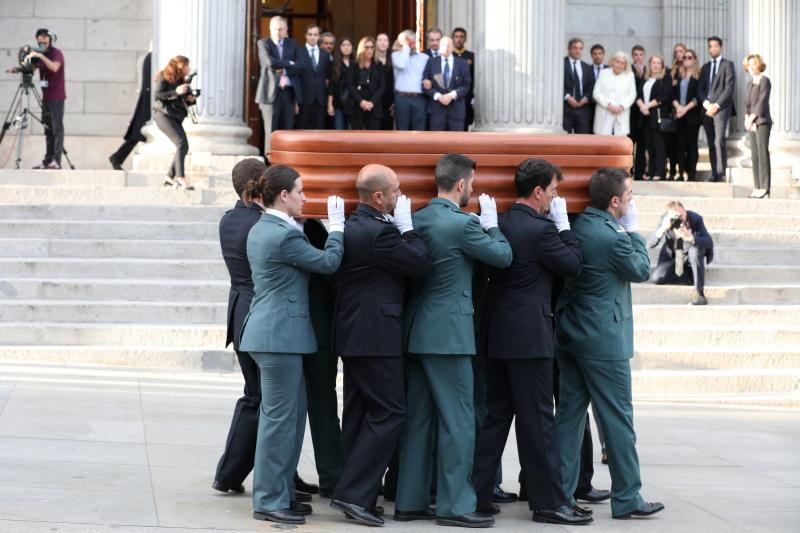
450, 326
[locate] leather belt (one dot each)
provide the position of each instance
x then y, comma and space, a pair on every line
400, 93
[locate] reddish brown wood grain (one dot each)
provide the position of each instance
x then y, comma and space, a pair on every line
328, 161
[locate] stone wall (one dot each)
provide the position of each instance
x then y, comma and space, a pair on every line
101, 41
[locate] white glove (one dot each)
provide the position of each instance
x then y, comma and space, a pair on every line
488, 211
335, 214
628, 220
402, 214
558, 213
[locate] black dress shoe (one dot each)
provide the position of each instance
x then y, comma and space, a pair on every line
466, 520
580, 510
114, 163
302, 486
302, 496
594, 495
646, 510
491, 509
501, 496
325, 493
408, 516
225, 488
358, 513
563, 515
301, 508
378, 510
281, 516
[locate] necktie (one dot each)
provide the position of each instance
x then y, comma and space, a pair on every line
713, 74
284, 81
577, 83
314, 57
596, 71
446, 73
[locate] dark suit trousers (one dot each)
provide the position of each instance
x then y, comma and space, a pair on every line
320, 371
283, 109
311, 117
240, 448
639, 151
759, 155
446, 121
124, 150
587, 449
716, 128
656, 152
577, 120
664, 273
372, 423
410, 112
363, 120
521, 387
687, 148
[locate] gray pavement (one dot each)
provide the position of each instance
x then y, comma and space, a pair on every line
87, 449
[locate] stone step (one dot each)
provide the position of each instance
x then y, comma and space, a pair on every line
763, 221
134, 290
725, 255
156, 336
715, 205
59, 178
753, 238
109, 229
37, 194
688, 336
113, 311
122, 356
708, 358
698, 383
111, 248
717, 315
153, 213
752, 275
180, 269
689, 189
648, 293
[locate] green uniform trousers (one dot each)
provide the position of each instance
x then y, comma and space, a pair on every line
608, 385
281, 426
323, 415
440, 398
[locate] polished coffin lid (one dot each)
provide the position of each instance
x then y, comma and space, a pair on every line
329, 160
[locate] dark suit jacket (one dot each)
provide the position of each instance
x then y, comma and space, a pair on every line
320, 288
460, 81
636, 115
288, 62
518, 322
313, 88
757, 101
662, 93
469, 57
371, 281
141, 114
702, 239
724, 83
233, 229
372, 91
694, 116
587, 80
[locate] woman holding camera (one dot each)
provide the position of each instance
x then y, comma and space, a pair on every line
172, 98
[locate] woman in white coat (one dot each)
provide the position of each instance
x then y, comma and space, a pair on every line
614, 92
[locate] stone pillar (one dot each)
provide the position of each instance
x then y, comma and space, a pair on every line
519, 67
211, 33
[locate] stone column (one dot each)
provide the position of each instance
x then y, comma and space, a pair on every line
519, 67
211, 33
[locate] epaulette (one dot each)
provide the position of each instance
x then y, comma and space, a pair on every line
615, 226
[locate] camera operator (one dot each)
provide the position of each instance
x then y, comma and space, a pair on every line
686, 250
50, 62
173, 96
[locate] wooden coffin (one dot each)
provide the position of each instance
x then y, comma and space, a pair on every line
328, 161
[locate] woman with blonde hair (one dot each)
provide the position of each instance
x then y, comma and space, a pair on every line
678, 52
366, 87
172, 98
758, 122
654, 99
614, 92
687, 115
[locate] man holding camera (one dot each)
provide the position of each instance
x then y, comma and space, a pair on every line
686, 250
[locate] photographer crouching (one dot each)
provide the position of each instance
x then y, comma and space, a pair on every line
686, 250
173, 97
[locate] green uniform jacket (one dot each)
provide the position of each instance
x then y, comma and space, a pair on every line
281, 257
594, 318
439, 317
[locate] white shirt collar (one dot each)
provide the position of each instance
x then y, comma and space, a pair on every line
310, 48
279, 214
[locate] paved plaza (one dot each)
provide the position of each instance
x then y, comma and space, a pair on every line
86, 449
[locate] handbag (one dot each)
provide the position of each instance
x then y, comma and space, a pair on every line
666, 124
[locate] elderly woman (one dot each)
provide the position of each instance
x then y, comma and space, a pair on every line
614, 92
758, 122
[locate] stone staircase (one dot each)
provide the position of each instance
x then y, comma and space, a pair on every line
106, 267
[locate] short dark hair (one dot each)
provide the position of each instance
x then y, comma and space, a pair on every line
533, 173
435, 30
573, 41
605, 184
312, 26
277, 178
597, 47
245, 171
327, 34
451, 168
459, 28
714, 38
636, 47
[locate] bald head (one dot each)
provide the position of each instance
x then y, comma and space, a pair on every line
378, 186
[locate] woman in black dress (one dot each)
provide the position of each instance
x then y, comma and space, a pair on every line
340, 103
366, 87
654, 99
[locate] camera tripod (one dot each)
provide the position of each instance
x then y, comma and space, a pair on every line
19, 112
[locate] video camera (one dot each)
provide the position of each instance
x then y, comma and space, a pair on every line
675, 222
28, 64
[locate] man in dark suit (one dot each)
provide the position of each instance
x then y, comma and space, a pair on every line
433, 43
283, 56
687, 247
379, 254
715, 95
578, 85
517, 337
447, 88
315, 64
459, 40
598, 64
141, 115
637, 124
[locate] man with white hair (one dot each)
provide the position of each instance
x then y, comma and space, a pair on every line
409, 65
282, 52
449, 82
